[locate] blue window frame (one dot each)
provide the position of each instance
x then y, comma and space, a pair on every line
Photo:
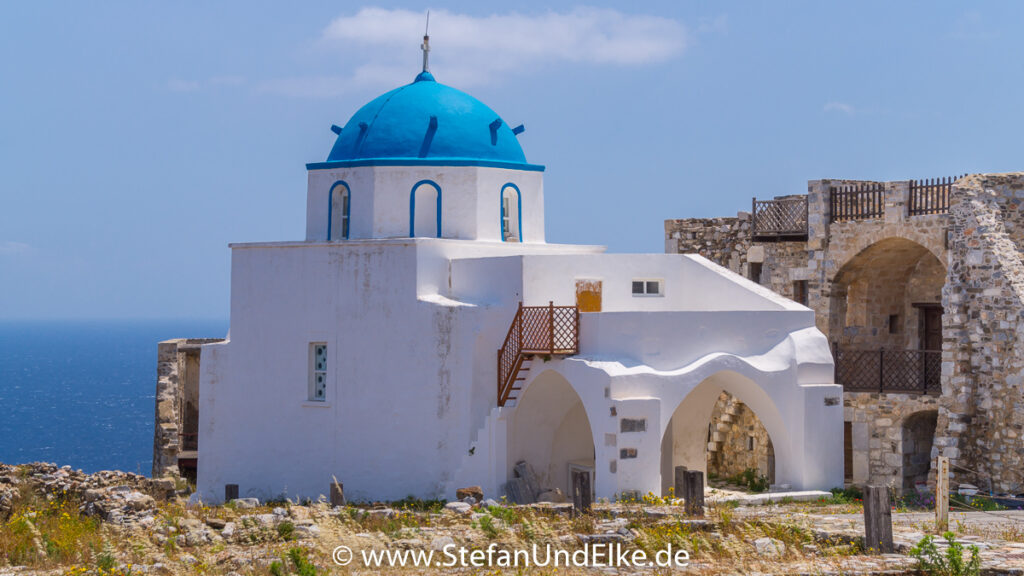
338, 210
511, 223
429, 215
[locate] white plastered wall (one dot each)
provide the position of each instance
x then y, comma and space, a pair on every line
470, 201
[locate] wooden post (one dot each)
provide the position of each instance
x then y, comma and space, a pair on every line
680, 481
877, 519
694, 493
230, 492
551, 324
942, 494
337, 493
581, 495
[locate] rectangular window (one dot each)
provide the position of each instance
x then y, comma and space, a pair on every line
894, 323
800, 292
755, 271
318, 372
647, 288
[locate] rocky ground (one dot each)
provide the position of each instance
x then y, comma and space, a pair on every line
60, 521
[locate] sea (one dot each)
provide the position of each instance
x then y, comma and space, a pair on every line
82, 393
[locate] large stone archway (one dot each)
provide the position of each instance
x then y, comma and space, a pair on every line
550, 430
879, 296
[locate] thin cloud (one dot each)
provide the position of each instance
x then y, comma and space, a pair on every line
12, 248
179, 85
840, 107
972, 26
468, 50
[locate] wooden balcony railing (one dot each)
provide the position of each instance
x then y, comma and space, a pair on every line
552, 330
857, 202
781, 218
888, 371
930, 196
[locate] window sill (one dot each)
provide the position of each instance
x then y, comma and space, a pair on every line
315, 404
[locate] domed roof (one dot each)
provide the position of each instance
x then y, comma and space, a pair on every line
426, 121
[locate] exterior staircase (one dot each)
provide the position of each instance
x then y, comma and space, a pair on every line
535, 331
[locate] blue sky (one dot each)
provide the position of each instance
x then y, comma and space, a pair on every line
139, 138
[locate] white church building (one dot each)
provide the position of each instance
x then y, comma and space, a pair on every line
424, 337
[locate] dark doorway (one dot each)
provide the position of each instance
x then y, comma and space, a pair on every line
930, 326
848, 451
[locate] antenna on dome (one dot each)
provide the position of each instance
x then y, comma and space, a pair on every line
426, 45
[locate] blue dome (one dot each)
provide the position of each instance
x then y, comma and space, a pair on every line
426, 121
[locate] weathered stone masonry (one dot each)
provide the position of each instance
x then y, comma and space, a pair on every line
177, 400
868, 281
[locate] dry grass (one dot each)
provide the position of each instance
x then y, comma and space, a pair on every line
42, 533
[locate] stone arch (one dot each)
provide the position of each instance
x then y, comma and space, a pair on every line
854, 246
875, 292
550, 429
917, 438
684, 434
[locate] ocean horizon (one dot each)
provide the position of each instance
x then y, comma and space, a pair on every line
81, 392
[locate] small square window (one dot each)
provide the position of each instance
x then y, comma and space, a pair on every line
318, 372
647, 287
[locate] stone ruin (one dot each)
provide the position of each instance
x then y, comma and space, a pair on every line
920, 288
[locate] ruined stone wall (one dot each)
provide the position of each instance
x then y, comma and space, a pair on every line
165, 431
738, 440
177, 401
981, 424
728, 243
877, 434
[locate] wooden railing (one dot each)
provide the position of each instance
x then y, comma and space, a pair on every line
857, 202
553, 330
784, 217
930, 196
888, 371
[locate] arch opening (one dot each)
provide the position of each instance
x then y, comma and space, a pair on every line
885, 318
724, 426
511, 213
918, 435
338, 216
425, 210
880, 297
551, 432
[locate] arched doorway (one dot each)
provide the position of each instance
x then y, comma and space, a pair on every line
550, 431
918, 435
738, 441
688, 433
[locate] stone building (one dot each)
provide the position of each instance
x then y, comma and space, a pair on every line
918, 287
